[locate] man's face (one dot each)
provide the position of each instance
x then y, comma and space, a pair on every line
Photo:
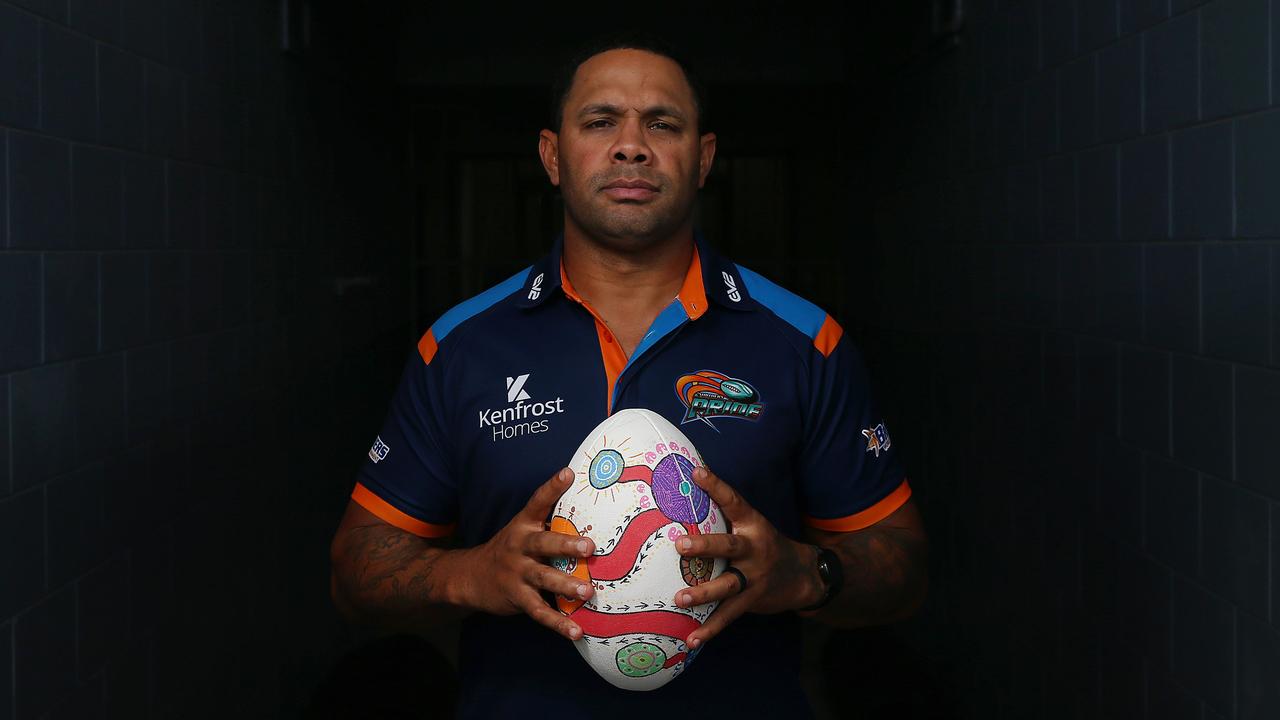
628, 158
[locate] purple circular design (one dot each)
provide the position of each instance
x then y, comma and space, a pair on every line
677, 495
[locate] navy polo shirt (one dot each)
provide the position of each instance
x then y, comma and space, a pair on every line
504, 387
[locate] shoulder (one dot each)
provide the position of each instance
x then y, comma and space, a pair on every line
467, 314
802, 320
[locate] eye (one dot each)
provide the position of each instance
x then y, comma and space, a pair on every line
661, 125
598, 123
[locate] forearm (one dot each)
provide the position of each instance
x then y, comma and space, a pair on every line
885, 576
388, 578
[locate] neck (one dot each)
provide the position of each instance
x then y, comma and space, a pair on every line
613, 278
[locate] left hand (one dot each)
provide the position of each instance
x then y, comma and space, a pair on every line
781, 573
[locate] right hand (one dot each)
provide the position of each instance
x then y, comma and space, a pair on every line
511, 571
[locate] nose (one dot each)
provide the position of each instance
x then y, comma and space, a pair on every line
630, 144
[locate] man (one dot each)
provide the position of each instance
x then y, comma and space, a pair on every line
447, 519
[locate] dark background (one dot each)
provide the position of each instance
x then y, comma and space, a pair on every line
1055, 235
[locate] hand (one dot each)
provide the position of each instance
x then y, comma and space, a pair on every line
510, 570
781, 574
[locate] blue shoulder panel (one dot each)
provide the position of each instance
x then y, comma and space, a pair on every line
798, 312
468, 309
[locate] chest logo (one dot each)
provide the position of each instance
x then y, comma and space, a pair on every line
709, 394
515, 388
520, 417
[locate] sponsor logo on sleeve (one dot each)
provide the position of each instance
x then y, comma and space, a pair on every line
877, 439
379, 451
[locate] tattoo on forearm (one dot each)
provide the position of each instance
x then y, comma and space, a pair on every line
392, 566
889, 572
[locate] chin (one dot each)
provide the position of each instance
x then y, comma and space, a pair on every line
637, 233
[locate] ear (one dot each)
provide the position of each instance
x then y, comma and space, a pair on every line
706, 155
549, 152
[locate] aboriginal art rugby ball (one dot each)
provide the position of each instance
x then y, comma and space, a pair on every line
633, 494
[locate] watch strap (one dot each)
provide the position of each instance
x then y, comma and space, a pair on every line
831, 572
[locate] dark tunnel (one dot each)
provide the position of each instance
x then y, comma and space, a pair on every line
1046, 225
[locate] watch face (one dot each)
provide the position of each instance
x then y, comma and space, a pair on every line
824, 571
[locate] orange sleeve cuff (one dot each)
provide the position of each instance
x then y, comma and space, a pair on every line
865, 518
392, 516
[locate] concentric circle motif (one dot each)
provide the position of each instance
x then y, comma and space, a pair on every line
675, 492
606, 468
640, 659
695, 570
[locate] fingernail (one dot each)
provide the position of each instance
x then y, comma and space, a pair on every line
574, 633
582, 547
685, 543
695, 643
582, 591
566, 475
700, 473
685, 599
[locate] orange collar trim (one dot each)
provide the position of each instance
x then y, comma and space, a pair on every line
692, 295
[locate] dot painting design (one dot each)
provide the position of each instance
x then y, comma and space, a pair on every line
674, 490
606, 468
640, 659
695, 571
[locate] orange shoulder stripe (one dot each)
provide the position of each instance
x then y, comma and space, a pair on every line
865, 518
393, 516
828, 336
427, 346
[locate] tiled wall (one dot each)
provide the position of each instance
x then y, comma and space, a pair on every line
178, 419
1080, 220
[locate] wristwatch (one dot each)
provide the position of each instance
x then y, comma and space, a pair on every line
831, 572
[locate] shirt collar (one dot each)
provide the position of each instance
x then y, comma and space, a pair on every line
709, 278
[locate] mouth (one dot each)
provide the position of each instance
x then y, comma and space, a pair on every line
630, 190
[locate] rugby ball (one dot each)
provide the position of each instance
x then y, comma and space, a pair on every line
633, 494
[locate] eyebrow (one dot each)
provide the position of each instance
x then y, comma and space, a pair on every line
653, 111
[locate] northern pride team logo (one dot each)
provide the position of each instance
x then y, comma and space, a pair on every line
709, 394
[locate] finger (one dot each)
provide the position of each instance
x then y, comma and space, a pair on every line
731, 503
545, 497
553, 544
545, 577
725, 545
725, 613
722, 588
542, 614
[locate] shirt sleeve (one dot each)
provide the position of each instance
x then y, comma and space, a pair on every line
851, 477
407, 479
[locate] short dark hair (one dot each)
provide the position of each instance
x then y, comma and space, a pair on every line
625, 41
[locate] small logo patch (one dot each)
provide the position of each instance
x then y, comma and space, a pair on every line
709, 394
877, 439
731, 286
536, 289
379, 451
